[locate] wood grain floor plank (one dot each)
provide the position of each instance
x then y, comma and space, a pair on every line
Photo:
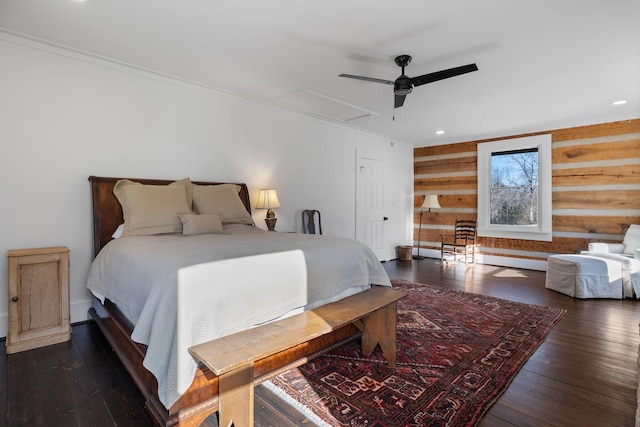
120, 398
504, 416
562, 390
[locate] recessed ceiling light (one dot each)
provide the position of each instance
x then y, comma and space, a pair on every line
620, 102
439, 132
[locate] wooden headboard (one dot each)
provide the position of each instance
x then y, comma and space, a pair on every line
107, 212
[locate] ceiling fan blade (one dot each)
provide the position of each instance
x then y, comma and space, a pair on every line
399, 101
368, 79
444, 74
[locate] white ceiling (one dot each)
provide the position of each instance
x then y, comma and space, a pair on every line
543, 64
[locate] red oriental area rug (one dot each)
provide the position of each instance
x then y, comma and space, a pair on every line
457, 353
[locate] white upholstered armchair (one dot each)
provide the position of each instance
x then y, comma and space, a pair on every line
629, 247
628, 254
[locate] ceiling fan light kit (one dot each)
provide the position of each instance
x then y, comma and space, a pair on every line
404, 84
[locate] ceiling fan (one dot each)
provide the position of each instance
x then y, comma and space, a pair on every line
403, 85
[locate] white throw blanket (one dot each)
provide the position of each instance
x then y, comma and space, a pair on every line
140, 274
256, 281
630, 271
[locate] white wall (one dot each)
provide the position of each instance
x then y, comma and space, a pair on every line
64, 117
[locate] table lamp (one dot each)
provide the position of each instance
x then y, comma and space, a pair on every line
268, 199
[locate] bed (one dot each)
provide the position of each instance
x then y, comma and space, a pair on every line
129, 329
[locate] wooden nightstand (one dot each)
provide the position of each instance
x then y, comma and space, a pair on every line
38, 298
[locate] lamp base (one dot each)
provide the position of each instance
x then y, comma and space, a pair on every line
271, 223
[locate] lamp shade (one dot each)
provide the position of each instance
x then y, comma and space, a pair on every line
431, 201
267, 199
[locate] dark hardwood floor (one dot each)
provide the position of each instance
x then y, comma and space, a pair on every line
584, 374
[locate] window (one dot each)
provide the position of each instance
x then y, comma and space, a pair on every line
514, 188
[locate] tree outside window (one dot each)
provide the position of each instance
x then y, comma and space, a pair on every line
514, 187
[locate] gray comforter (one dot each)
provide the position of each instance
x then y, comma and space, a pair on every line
141, 276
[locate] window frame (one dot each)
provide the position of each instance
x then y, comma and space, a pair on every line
541, 231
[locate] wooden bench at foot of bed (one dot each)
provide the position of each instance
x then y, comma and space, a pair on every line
201, 400
232, 357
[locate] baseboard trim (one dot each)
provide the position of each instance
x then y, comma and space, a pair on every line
500, 261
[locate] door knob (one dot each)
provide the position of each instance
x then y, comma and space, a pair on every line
15, 299
384, 218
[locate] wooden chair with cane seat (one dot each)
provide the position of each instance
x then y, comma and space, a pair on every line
309, 222
461, 242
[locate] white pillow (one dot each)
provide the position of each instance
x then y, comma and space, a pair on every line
116, 234
632, 239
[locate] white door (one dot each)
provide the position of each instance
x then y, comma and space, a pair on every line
370, 205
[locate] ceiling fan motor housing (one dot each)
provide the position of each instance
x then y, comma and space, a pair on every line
402, 85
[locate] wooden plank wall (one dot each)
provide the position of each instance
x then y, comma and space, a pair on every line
595, 184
